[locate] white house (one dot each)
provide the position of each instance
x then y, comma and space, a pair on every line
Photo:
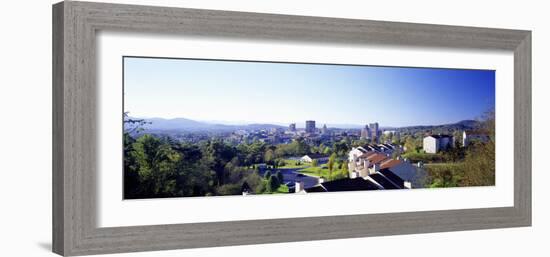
436, 143
387, 149
311, 157
355, 153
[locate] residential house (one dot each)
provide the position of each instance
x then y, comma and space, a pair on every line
406, 171
382, 170
436, 143
315, 156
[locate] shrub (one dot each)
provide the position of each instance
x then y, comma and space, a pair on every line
272, 184
279, 176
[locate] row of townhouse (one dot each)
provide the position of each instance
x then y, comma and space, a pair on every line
371, 168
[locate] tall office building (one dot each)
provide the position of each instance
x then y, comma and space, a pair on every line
365, 132
292, 127
375, 133
310, 126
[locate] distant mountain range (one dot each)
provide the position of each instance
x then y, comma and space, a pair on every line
461, 125
183, 124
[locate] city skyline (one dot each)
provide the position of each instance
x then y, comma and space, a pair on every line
283, 93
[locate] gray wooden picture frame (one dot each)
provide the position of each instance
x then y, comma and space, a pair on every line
75, 25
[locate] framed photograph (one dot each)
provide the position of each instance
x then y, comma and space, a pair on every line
183, 128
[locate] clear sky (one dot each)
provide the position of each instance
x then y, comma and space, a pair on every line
260, 92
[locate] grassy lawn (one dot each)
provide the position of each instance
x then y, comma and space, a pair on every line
291, 164
321, 171
283, 189
423, 157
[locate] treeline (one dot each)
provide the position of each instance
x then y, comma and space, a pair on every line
476, 169
473, 165
156, 167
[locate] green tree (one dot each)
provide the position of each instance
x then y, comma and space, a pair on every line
133, 126
131, 176
342, 147
479, 164
272, 184
269, 157
254, 180
229, 189
267, 174
314, 163
443, 177
411, 144
216, 154
345, 171
279, 176
262, 187
157, 166
330, 164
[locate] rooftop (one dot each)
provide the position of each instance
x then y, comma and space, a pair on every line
383, 181
440, 136
377, 158
390, 163
315, 189
366, 155
392, 177
349, 184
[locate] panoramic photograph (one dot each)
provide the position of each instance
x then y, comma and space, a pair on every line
198, 128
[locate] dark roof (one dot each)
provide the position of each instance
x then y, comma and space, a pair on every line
315, 189
389, 146
374, 148
370, 147
383, 181
392, 177
349, 184
439, 136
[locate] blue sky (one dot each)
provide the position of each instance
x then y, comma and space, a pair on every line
260, 92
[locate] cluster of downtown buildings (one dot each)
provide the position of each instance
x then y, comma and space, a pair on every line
375, 165
370, 132
279, 135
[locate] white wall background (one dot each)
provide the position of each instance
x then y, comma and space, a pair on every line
25, 127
